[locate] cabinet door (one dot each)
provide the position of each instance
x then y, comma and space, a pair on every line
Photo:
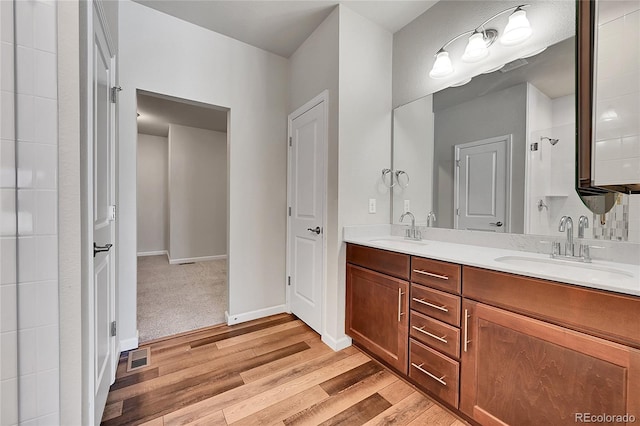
519, 371
377, 316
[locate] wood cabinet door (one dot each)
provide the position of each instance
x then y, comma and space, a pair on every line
520, 371
377, 314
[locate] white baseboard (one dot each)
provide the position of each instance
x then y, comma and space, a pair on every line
153, 253
260, 313
196, 259
336, 345
128, 344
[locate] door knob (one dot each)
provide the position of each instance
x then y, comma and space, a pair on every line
498, 224
99, 249
317, 230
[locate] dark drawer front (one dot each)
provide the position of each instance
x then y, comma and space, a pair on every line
434, 273
434, 372
436, 304
387, 262
436, 334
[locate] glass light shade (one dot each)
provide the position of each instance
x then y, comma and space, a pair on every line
442, 67
517, 30
476, 49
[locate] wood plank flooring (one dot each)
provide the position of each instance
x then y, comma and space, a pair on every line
272, 371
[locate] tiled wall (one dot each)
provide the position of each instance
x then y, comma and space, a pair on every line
34, 138
617, 124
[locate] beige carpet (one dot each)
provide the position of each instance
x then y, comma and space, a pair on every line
177, 298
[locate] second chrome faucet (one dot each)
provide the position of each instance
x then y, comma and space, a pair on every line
566, 225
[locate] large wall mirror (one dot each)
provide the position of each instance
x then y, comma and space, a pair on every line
498, 153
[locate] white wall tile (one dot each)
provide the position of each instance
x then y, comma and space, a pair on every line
610, 149
47, 348
27, 362
7, 212
7, 115
47, 167
27, 161
6, 58
28, 405
9, 401
44, 27
27, 306
45, 74
24, 22
26, 70
26, 211
27, 260
26, 118
46, 212
8, 303
9, 347
7, 164
47, 303
7, 260
631, 170
6, 25
50, 420
47, 258
48, 392
46, 125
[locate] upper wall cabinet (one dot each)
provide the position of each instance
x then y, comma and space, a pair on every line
609, 96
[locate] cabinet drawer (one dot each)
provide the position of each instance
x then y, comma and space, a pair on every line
434, 372
387, 262
436, 304
436, 334
434, 273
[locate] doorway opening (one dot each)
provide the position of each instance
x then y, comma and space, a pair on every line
182, 223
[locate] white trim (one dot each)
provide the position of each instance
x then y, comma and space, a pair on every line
128, 344
323, 98
195, 259
251, 315
153, 253
336, 345
102, 16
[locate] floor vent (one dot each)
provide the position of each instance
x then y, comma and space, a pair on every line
188, 263
138, 358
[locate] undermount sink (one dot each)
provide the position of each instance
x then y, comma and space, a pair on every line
398, 242
588, 271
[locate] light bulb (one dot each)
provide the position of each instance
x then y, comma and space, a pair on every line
442, 66
517, 30
476, 49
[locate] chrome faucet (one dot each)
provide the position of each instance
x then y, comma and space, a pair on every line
567, 223
584, 252
412, 233
431, 219
583, 223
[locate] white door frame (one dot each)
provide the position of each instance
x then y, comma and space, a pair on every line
508, 177
87, 131
324, 99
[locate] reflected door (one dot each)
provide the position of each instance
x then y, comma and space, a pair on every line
482, 185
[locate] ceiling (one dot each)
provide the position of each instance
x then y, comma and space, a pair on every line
281, 26
157, 111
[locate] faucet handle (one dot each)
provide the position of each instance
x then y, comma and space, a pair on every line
585, 252
555, 248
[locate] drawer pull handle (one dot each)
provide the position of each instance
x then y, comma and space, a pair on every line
433, 336
400, 294
433, 376
430, 274
440, 308
466, 329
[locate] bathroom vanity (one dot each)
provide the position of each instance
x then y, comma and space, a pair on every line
479, 330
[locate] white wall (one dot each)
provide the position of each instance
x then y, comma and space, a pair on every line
152, 194
197, 193
162, 54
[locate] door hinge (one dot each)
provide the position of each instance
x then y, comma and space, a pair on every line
289, 211
113, 328
112, 213
457, 212
114, 94
290, 141
457, 163
289, 280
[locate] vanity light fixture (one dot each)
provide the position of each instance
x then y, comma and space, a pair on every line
517, 30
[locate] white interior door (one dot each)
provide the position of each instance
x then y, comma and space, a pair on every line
482, 185
307, 181
100, 152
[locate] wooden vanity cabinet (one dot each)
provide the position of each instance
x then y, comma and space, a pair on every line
377, 310
517, 370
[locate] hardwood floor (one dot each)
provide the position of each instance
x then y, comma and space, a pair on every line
272, 371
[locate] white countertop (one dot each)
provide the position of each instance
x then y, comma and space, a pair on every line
602, 275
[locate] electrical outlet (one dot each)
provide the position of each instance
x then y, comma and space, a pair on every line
372, 205
407, 206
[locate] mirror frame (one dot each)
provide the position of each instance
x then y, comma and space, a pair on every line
585, 85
